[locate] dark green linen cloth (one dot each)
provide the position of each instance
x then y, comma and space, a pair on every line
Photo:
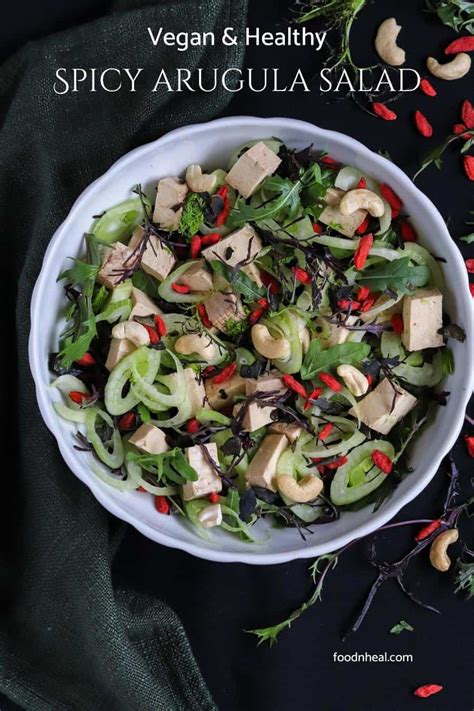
68, 640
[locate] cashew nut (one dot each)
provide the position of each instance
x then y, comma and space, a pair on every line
386, 43
455, 69
199, 182
132, 331
354, 379
361, 199
305, 338
195, 343
266, 345
438, 552
299, 491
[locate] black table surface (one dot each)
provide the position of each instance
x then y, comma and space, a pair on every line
216, 602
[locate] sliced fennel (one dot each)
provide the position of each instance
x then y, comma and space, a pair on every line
358, 477
113, 454
427, 375
119, 222
144, 359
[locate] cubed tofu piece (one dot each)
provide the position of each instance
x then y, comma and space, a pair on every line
384, 407
256, 416
422, 319
339, 334
259, 415
239, 246
157, 260
291, 430
270, 383
142, 305
253, 273
347, 224
208, 480
210, 516
195, 393
197, 278
222, 395
252, 168
222, 307
263, 467
113, 265
170, 196
149, 439
118, 349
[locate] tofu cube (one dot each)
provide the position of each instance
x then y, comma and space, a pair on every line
142, 305
222, 307
259, 415
256, 416
231, 388
197, 278
253, 273
422, 319
239, 246
118, 349
170, 195
211, 516
339, 334
291, 430
113, 264
347, 224
384, 407
157, 259
263, 467
252, 168
195, 393
149, 439
270, 383
208, 480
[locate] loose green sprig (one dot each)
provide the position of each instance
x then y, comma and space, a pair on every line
464, 580
193, 215
402, 626
457, 14
468, 239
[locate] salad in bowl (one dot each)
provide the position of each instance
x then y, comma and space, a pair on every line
258, 341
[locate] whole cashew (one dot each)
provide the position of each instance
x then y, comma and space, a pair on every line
132, 331
268, 346
299, 491
361, 199
438, 552
354, 379
305, 338
455, 69
386, 43
199, 182
196, 343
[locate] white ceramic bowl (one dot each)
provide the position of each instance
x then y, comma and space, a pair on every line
211, 145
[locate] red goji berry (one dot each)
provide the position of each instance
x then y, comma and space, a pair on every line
428, 689
363, 227
162, 504
336, 463
408, 232
368, 303
160, 325
391, 197
225, 374
461, 44
471, 288
317, 229
346, 304
201, 309
209, 370
301, 275
362, 251
382, 461
255, 316
469, 166
326, 431
210, 239
314, 394
427, 88
383, 111
329, 162
154, 337
193, 426
87, 360
370, 379
469, 440
362, 184
397, 323
467, 114
142, 490
470, 265
332, 383
263, 302
290, 382
78, 397
363, 293
423, 125
214, 497
127, 422
270, 282
195, 246
224, 214
427, 530
459, 128
180, 288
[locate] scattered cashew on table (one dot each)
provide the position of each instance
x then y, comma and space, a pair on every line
438, 552
455, 69
386, 43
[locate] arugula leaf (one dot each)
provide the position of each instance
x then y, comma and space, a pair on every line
80, 273
436, 156
457, 14
400, 627
468, 239
464, 580
318, 360
193, 215
146, 283
239, 281
397, 275
169, 466
143, 413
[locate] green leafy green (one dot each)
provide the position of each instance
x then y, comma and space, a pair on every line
193, 215
80, 273
147, 284
448, 361
469, 239
318, 360
436, 156
100, 298
401, 627
464, 580
239, 280
399, 275
143, 412
235, 328
457, 14
170, 466
119, 222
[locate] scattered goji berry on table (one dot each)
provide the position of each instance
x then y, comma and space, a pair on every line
382, 461
362, 184
390, 196
362, 251
214, 497
397, 323
203, 316
363, 227
423, 125
127, 422
427, 88
427, 690
332, 382
290, 382
408, 232
459, 128
301, 275
87, 360
383, 111
162, 505
461, 44
225, 374
154, 337
193, 426
469, 440
210, 239
470, 265
160, 325
180, 288
326, 431
428, 530
195, 246
469, 166
471, 288
78, 397
467, 114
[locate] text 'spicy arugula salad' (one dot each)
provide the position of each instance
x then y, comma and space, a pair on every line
263, 342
